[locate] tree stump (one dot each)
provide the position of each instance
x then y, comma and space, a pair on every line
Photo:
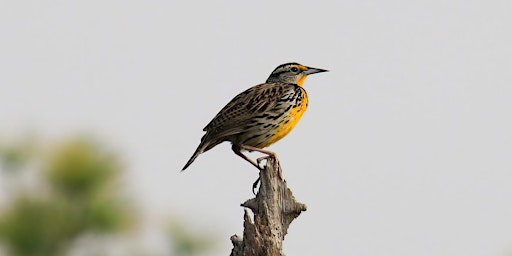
274, 208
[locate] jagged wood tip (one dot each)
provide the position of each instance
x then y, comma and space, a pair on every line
274, 208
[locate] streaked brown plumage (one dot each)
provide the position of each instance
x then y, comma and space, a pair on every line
261, 115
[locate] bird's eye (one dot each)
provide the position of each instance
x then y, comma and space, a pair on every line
295, 69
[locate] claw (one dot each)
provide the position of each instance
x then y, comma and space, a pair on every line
276, 164
269, 154
254, 185
258, 160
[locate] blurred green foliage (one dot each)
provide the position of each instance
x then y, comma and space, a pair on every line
188, 243
32, 226
79, 196
14, 156
79, 169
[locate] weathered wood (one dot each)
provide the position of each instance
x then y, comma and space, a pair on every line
274, 208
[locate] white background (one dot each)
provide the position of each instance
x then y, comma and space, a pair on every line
406, 148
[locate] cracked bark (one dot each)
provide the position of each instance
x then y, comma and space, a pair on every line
274, 208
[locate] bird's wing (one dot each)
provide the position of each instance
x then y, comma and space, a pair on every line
245, 106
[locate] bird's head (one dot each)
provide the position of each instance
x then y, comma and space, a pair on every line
293, 73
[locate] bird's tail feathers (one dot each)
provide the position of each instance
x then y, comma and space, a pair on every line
206, 144
199, 150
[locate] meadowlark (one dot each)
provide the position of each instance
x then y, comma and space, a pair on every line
261, 115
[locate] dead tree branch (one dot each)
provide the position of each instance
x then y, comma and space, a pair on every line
274, 208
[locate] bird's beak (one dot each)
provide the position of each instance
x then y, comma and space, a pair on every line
310, 71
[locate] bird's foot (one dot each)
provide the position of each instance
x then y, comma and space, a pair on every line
277, 165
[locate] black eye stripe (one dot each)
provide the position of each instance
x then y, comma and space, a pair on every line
279, 73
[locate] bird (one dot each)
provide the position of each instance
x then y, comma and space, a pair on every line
260, 115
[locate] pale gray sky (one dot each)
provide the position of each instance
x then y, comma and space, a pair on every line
406, 148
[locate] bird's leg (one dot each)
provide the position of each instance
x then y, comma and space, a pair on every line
237, 150
269, 154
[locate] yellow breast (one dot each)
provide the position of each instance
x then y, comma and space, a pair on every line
288, 123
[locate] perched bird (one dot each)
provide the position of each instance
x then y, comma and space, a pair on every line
261, 115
